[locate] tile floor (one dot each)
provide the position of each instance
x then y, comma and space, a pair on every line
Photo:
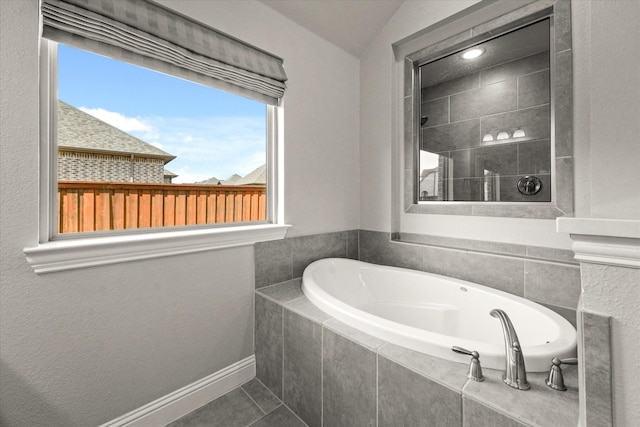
251, 404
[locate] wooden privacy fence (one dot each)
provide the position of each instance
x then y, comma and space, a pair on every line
95, 206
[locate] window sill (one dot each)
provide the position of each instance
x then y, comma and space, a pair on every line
74, 254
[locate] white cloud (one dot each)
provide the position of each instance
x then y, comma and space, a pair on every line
122, 122
204, 147
219, 146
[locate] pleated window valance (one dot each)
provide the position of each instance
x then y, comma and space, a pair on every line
146, 34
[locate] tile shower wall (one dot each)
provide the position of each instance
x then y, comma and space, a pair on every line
505, 97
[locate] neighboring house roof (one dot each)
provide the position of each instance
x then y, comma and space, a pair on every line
231, 180
210, 181
167, 172
255, 177
79, 131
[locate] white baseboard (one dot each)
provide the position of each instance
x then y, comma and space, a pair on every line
185, 400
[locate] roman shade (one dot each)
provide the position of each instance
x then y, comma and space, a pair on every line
146, 34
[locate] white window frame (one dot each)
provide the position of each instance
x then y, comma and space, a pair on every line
60, 252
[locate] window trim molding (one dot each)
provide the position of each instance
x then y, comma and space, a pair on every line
69, 252
72, 254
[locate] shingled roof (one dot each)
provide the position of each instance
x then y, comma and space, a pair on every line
255, 177
79, 131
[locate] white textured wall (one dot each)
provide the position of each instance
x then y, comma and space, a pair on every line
607, 138
606, 147
381, 87
615, 291
321, 112
80, 348
607, 108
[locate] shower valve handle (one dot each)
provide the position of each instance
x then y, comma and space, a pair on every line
475, 370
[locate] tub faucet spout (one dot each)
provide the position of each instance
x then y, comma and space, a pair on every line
515, 374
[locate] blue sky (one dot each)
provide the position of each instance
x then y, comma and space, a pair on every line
212, 133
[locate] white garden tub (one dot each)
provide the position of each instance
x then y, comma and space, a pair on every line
431, 313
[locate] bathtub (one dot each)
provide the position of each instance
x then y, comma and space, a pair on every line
430, 313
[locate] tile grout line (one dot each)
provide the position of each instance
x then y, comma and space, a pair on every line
276, 301
349, 338
422, 374
254, 402
321, 374
295, 415
282, 333
377, 390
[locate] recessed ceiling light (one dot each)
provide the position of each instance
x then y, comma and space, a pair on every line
473, 53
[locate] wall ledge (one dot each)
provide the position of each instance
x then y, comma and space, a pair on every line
71, 254
603, 241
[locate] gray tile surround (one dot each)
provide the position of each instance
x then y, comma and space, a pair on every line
273, 262
545, 275
302, 371
597, 364
337, 366
530, 93
379, 250
408, 399
498, 272
261, 395
515, 69
451, 375
465, 83
309, 338
279, 417
280, 260
284, 291
234, 409
557, 284
349, 382
485, 100
451, 136
534, 157
437, 111
476, 414
269, 343
536, 118
560, 407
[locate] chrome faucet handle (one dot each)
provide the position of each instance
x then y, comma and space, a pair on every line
555, 380
475, 370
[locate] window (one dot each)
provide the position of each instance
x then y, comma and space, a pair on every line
190, 64
488, 161
141, 149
